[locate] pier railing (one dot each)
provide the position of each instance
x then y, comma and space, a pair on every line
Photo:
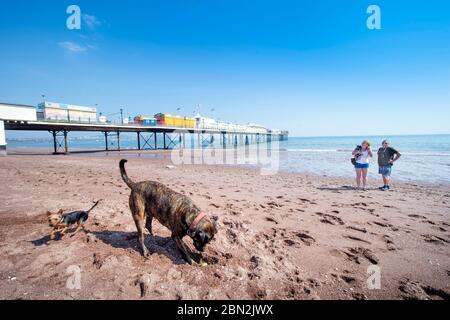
147, 135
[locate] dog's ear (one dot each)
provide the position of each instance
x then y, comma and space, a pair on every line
60, 211
48, 213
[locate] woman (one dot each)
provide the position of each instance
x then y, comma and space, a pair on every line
362, 154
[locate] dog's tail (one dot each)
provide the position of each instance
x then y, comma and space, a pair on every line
89, 211
125, 178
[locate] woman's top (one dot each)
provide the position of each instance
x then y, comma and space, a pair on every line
363, 158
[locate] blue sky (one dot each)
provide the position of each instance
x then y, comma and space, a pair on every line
311, 67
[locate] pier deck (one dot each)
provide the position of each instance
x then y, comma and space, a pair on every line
146, 135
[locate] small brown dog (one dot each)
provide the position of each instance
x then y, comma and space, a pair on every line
61, 222
149, 199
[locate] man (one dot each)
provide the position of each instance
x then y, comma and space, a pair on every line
386, 158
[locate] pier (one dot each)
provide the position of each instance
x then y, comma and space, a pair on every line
147, 137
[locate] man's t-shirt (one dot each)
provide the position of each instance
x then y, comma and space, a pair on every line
385, 155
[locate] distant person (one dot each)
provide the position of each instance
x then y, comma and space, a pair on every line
362, 155
386, 158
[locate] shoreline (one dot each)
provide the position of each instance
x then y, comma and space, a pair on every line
152, 154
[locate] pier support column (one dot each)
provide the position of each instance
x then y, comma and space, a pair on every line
156, 140
139, 140
66, 143
164, 138
55, 146
2, 139
106, 141
60, 141
118, 140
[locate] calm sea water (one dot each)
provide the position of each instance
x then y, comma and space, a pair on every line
424, 157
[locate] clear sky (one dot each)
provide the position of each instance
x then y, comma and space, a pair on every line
312, 67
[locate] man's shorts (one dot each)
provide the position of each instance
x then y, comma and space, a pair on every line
385, 171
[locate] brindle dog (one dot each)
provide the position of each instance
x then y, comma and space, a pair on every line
150, 199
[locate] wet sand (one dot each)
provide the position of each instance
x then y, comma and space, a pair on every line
287, 236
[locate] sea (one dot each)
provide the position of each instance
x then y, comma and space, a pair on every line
425, 158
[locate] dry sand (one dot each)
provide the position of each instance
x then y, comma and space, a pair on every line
287, 236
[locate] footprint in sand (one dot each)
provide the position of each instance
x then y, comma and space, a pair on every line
273, 204
389, 243
434, 239
354, 238
363, 230
359, 296
359, 204
348, 279
330, 219
232, 236
417, 291
386, 225
416, 216
289, 242
305, 238
429, 222
303, 200
271, 220
354, 254
366, 253
439, 229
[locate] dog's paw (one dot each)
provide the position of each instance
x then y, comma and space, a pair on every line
203, 263
147, 254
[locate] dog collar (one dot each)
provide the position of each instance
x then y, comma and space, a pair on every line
196, 221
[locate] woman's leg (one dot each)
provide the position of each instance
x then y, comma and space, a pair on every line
358, 177
364, 177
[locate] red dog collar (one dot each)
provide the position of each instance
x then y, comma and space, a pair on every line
196, 221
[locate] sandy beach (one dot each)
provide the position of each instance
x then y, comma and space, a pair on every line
286, 236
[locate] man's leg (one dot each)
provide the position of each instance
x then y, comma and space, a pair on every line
383, 172
386, 181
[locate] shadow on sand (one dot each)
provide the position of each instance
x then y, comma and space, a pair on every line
41, 242
46, 239
128, 240
156, 244
343, 188
346, 188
